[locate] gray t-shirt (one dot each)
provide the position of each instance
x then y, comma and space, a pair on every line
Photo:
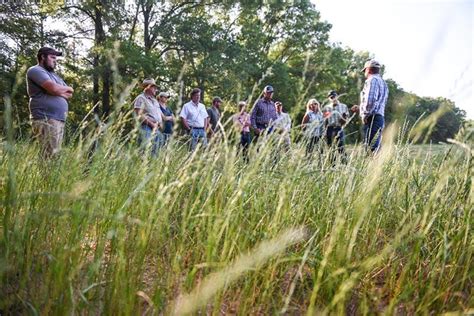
149, 106
42, 104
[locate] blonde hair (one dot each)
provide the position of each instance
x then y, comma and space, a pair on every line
311, 102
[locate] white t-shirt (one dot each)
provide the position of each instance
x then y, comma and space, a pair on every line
195, 115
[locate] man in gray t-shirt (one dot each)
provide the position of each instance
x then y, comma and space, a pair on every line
48, 101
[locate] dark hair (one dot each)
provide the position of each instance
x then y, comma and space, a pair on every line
41, 55
374, 70
195, 91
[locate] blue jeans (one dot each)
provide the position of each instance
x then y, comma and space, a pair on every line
335, 133
198, 134
245, 140
373, 131
151, 138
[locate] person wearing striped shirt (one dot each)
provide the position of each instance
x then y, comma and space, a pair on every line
373, 99
335, 121
263, 113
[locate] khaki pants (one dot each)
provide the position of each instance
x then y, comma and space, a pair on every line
49, 133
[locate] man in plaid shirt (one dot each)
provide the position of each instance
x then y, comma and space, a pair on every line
335, 121
373, 99
263, 112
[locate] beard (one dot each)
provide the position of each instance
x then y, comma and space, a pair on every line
48, 67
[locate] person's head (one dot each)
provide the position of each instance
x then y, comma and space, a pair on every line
196, 95
242, 106
47, 57
149, 86
332, 96
278, 106
327, 110
312, 105
217, 102
163, 97
371, 67
268, 92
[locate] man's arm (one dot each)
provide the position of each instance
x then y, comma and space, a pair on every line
55, 89
145, 120
368, 103
253, 116
42, 79
183, 116
206, 123
185, 123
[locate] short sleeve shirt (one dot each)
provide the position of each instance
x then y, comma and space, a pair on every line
149, 106
195, 115
43, 105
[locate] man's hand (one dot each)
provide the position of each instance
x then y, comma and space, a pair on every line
67, 94
257, 131
355, 108
53, 88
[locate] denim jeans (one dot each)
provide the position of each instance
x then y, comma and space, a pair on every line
263, 130
198, 134
312, 142
373, 131
151, 138
245, 140
335, 133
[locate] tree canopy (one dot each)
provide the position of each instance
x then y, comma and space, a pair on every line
226, 48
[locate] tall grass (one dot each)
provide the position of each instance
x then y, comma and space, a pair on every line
119, 232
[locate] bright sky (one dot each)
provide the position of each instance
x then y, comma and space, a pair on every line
426, 45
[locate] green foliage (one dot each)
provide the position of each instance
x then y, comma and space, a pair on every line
228, 48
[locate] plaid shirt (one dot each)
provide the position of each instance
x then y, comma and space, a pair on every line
338, 112
263, 113
373, 97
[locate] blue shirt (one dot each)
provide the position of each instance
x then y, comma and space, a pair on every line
373, 97
263, 113
168, 124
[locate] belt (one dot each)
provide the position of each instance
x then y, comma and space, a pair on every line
192, 127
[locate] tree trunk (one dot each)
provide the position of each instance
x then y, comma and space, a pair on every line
99, 39
106, 74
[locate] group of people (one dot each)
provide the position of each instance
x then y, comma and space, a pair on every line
49, 97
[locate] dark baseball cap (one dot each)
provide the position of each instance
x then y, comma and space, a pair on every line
48, 51
332, 93
268, 89
217, 99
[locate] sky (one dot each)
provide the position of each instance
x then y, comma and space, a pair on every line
426, 46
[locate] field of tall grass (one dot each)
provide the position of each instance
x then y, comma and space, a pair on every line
117, 232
